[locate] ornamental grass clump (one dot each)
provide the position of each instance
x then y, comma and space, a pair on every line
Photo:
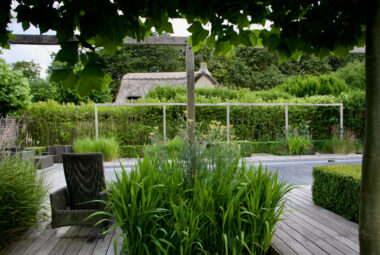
224, 207
22, 193
108, 146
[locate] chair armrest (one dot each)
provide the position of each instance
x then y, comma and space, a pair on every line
59, 199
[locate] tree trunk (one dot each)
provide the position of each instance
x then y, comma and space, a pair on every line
190, 91
369, 224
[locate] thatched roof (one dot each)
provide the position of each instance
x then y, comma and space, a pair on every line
137, 85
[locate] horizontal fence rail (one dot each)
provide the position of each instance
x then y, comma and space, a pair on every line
228, 105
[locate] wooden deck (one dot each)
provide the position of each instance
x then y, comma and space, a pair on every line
306, 229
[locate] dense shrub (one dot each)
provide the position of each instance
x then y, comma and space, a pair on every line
353, 74
231, 209
337, 188
22, 193
131, 151
38, 150
298, 144
306, 85
108, 146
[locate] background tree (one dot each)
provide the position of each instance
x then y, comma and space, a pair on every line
144, 58
14, 90
29, 69
41, 90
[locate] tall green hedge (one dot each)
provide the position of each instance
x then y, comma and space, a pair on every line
337, 188
49, 123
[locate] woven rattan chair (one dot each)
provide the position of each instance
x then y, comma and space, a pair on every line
84, 173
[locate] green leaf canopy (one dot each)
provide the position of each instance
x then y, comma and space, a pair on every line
297, 26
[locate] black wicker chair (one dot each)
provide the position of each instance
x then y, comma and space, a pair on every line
84, 173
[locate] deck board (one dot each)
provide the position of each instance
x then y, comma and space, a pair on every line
306, 229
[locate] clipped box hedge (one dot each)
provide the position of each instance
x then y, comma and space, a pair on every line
337, 188
131, 151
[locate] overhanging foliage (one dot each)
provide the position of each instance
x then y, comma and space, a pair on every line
318, 27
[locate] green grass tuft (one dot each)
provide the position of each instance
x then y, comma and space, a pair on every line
108, 146
163, 207
22, 193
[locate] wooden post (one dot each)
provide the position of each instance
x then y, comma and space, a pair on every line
228, 123
96, 122
341, 130
286, 122
164, 124
190, 91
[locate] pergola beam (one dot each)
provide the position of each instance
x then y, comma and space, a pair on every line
52, 40
152, 40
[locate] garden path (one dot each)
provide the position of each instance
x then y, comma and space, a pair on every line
306, 229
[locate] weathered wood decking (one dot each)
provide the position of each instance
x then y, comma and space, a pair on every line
306, 229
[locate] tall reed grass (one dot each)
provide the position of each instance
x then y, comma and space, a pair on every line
108, 146
298, 144
223, 207
22, 192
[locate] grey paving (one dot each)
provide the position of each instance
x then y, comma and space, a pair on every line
300, 173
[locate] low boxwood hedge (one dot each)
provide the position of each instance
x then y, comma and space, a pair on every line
131, 151
39, 150
337, 188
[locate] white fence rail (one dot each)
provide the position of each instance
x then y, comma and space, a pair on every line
228, 105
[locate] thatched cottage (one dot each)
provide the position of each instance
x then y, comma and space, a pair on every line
137, 85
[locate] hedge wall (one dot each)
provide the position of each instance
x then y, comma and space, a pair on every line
49, 123
337, 188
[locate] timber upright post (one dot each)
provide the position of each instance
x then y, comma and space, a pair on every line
190, 92
286, 122
341, 129
164, 120
228, 123
96, 122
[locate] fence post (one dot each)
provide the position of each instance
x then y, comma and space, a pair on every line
341, 130
164, 119
96, 122
228, 123
286, 122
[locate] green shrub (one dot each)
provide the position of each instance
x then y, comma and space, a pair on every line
272, 147
323, 146
344, 146
245, 148
307, 85
298, 144
131, 151
108, 146
38, 150
353, 74
337, 188
173, 146
231, 209
22, 193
